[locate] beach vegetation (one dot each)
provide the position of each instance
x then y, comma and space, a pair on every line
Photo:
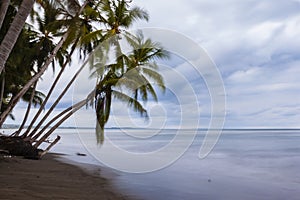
50, 35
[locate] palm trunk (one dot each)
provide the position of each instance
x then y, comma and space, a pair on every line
50, 146
57, 100
15, 100
2, 90
17, 133
74, 109
51, 90
14, 31
35, 78
3, 10
36, 136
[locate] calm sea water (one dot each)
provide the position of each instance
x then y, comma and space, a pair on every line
245, 164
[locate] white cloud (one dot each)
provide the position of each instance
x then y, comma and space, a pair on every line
242, 76
263, 33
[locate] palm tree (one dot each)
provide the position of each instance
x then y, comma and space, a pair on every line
34, 97
3, 9
19, 66
116, 16
49, 60
13, 32
65, 115
136, 73
82, 27
49, 25
131, 77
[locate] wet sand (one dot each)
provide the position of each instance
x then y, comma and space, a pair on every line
51, 179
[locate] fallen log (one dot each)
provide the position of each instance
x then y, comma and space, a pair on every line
17, 146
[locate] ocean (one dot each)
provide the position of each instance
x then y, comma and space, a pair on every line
243, 165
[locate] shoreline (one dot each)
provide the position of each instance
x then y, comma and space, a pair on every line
52, 178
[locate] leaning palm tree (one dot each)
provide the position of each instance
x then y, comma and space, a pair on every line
3, 10
37, 41
45, 65
115, 16
20, 67
14, 31
48, 24
124, 79
131, 79
34, 98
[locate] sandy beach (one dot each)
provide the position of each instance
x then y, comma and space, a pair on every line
51, 179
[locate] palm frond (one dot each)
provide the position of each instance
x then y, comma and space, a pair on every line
107, 82
155, 76
91, 37
152, 91
132, 40
38, 98
133, 80
131, 102
137, 13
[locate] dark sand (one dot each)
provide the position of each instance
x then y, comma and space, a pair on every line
51, 179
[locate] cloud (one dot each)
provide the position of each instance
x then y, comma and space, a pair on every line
242, 76
255, 45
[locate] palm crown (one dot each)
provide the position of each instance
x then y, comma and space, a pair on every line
131, 77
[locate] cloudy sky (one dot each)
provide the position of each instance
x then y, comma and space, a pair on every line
254, 44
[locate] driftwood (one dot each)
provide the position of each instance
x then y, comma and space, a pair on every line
50, 146
18, 146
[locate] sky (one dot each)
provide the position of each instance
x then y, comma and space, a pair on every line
253, 44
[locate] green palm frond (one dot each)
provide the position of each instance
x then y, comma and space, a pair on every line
128, 84
152, 54
58, 27
131, 102
134, 79
37, 98
152, 65
155, 76
143, 93
151, 90
137, 13
91, 37
145, 89
108, 82
132, 40
145, 51
118, 14
90, 12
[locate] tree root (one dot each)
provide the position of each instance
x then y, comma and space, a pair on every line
18, 146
